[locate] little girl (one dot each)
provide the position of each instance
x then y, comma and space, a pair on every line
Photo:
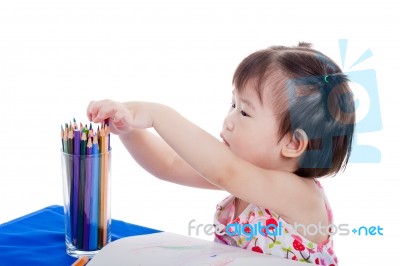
291, 121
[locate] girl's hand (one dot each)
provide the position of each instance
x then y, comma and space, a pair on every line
123, 117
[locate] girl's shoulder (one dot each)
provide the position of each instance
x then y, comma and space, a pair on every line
319, 214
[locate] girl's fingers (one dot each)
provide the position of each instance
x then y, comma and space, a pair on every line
93, 109
89, 111
98, 111
102, 110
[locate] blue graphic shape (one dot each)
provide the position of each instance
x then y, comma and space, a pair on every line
372, 122
367, 54
343, 50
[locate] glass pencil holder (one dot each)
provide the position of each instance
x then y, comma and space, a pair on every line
87, 212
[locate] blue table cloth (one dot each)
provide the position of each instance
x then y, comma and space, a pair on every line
39, 238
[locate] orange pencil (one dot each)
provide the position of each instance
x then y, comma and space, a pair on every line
102, 209
105, 183
81, 261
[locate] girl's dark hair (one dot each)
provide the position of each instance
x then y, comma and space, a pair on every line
310, 93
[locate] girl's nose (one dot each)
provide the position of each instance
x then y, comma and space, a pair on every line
228, 123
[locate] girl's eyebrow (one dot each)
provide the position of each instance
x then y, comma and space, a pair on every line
245, 101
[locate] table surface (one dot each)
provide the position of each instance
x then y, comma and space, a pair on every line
39, 238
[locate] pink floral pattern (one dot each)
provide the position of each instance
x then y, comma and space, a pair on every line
288, 244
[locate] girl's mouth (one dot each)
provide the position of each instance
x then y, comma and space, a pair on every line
225, 142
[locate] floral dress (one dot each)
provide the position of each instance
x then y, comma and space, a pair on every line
281, 240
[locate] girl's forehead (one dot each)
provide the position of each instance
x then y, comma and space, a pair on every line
245, 94
248, 90
251, 92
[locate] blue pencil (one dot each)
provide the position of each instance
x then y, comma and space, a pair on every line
88, 188
94, 203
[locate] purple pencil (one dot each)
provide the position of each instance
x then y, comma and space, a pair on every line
88, 186
75, 191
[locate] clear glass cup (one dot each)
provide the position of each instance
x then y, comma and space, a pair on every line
87, 216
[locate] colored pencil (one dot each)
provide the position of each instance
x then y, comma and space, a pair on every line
107, 123
94, 204
71, 175
102, 223
70, 141
105, 183
65, 140
66, 157
75, 202
88, 187
82, 261
82, 177
62, 139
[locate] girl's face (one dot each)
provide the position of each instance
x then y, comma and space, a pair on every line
250, 130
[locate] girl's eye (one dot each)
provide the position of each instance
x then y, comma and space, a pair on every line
244, 113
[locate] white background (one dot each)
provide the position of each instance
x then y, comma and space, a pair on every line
56, 56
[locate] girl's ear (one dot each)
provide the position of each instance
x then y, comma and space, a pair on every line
296, 145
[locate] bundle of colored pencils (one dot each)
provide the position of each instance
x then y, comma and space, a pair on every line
86, 155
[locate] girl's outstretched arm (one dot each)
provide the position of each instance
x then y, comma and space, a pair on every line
216, 163
154, 155
150, 151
